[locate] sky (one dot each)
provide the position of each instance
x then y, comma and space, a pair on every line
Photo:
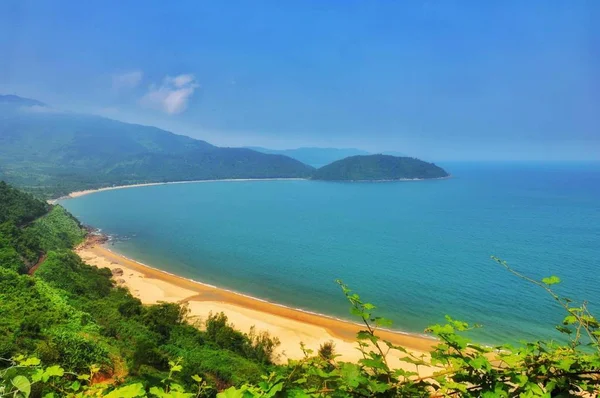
441, 80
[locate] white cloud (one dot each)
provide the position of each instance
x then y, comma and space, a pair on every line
172, 95
127, 81
40, 109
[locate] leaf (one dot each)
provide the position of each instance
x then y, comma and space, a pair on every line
534, 388
75, 386
552, 280
563, 329
383, 322
176, 368
197, 378
480, 362
358, 313
33, 361
22, 384
231, 392
158, 392
177, 387
37, 375
365, 335
129, 391
565, 364
351, 374
274, 390
53, 371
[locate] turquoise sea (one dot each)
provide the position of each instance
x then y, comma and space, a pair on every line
418, 250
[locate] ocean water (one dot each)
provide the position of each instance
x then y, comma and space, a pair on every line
417, 250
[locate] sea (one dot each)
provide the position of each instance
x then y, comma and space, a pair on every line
417, 250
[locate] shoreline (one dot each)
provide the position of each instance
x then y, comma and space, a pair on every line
76, 194
244, 296
290, 325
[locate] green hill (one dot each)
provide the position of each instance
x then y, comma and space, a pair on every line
18, 207
54, 153
378, 167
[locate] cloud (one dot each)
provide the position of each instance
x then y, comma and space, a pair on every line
127, 81
172, 95
40, 109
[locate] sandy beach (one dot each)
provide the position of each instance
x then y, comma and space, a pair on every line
289, 325
77, 194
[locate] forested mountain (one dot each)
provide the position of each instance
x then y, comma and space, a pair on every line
315, 157
378, 167
58, 152
19, 207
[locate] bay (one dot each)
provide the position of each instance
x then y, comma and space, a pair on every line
418, 250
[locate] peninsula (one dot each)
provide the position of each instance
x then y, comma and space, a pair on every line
379, 168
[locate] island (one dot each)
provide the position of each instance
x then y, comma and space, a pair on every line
378, 168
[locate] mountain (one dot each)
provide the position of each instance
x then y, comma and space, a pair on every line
391, 153
378, 167
19, 101
53, 152
315, 157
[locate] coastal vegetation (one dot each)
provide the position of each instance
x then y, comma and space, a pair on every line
378, 167
66, 329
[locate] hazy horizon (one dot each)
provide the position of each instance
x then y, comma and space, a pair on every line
441, 81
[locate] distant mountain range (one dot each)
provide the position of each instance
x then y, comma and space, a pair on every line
58, 152
319, 157
52, 153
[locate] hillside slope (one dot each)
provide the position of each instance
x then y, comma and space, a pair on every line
378, 167
68, 314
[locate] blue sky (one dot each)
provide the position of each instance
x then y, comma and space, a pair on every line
442, 80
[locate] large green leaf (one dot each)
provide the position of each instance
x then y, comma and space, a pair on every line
129, 391
22, 384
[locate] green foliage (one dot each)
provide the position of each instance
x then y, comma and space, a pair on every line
58, 230
463, 368
64, 270
23, 375
378, 167
162, 318
71, 315
75, 351
257, 346
20, 241
21, 331
22, 247
19, 207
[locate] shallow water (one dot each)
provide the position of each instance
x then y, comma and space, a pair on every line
418, 250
